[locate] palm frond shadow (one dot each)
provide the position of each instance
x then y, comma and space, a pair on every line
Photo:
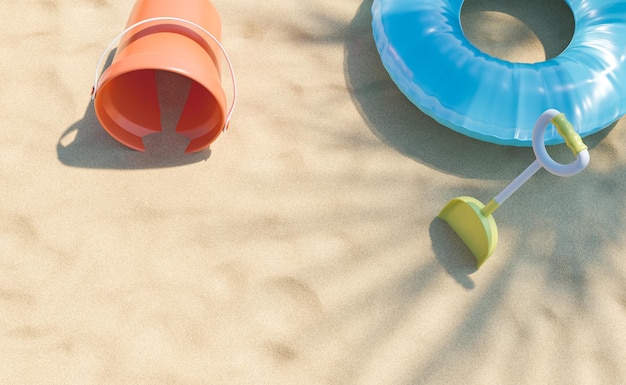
537, 230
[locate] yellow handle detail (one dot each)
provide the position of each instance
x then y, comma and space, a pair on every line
490, 207
566, 130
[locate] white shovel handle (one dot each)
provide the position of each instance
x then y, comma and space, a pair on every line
572, 139
177, 19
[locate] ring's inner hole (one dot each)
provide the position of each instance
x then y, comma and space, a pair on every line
524, 32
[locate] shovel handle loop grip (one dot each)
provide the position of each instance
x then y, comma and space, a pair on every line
229, 115
566, 130
544, 159
573, 140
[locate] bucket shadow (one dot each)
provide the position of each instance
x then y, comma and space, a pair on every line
86, 144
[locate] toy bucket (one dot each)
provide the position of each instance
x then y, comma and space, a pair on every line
163, 35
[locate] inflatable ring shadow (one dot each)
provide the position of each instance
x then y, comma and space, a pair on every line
401, 125
551, 38
86, 144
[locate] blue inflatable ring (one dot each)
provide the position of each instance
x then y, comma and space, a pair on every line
424, 49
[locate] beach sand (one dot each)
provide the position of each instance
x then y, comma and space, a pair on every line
303, 247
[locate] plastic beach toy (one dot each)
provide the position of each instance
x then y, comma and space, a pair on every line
473, 221
175, 36
426, 53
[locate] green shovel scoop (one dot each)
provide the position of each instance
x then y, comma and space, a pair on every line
473, 222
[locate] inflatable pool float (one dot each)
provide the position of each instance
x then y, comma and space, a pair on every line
424, 49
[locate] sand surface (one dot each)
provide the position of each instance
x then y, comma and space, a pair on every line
303, 247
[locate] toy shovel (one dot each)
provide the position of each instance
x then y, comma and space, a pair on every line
473, 222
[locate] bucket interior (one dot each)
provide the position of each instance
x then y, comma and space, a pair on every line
143, 102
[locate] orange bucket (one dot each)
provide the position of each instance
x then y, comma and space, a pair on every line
163, 35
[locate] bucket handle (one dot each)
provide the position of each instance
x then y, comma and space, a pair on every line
229, 115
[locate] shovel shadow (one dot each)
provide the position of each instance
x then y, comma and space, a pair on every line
452, 254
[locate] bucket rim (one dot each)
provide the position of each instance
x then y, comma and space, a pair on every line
98, 75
